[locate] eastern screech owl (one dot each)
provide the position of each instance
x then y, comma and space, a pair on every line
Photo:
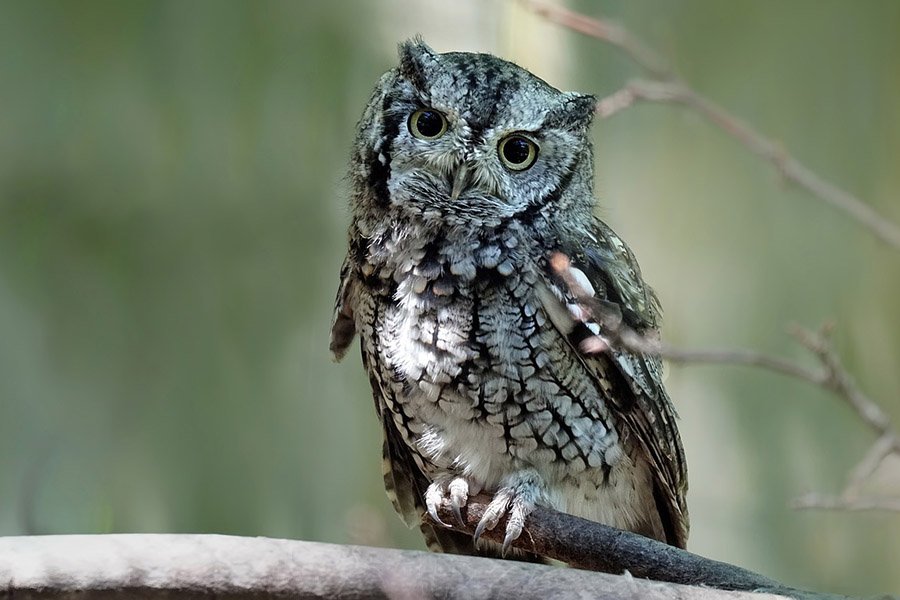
469, 175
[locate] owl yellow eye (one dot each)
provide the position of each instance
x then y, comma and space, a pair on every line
427, 124
517, 152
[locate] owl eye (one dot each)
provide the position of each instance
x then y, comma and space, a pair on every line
427, 124
517, 152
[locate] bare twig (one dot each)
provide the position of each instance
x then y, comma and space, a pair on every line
852, 497
606, 31
837, 380
831, 376
878, 452
825, 502
216, 566
667, 87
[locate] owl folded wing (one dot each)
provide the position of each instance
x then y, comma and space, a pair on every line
593, 295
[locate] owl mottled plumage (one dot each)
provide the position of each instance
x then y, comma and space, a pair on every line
474, 346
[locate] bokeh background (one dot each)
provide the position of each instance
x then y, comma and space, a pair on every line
173, 217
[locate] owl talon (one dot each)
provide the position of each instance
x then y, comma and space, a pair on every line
478, 531
494, 512
508, 540
517, 499
433, 497
516, 523
432, 512
458, 514
455, 491
459, 497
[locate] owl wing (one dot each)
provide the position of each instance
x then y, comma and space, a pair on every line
605, 269
343, 325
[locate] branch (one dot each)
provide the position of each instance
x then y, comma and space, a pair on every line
825, 502
194, 566
588, 545
669, 88
606, 31
852, 497
832, 376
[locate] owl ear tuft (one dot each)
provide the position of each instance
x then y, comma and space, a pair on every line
416, 57
581, 107
575, 111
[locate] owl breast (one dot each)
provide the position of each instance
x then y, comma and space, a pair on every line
476, 378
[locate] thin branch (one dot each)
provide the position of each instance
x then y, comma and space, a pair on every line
729, 356
839, 381
669, 88
606, 31
831, 376
852, 497
825, 502
865, 469
215, 566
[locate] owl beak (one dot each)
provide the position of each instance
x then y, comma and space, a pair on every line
460, 181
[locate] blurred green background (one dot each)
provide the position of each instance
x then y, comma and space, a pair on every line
173, 217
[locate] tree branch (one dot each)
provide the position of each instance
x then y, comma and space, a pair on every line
588, 545
606, 31
669, 88
202, 566
826, 502
832, 376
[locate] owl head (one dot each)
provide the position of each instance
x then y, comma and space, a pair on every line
470, 138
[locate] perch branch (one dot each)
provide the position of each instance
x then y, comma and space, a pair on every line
588, 545
667, 87
151, 566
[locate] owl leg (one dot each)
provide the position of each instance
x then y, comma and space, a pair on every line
518, 495
454, 489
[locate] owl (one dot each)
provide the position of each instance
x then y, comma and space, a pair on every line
470, 179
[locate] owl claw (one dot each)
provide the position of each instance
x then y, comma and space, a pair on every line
458, 514
517, 499
455, 491
494, 512
479, 530
459, 496
516, 523
433, 497
508, 540
432, 512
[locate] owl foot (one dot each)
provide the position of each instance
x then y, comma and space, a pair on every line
517, 497
455, 490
